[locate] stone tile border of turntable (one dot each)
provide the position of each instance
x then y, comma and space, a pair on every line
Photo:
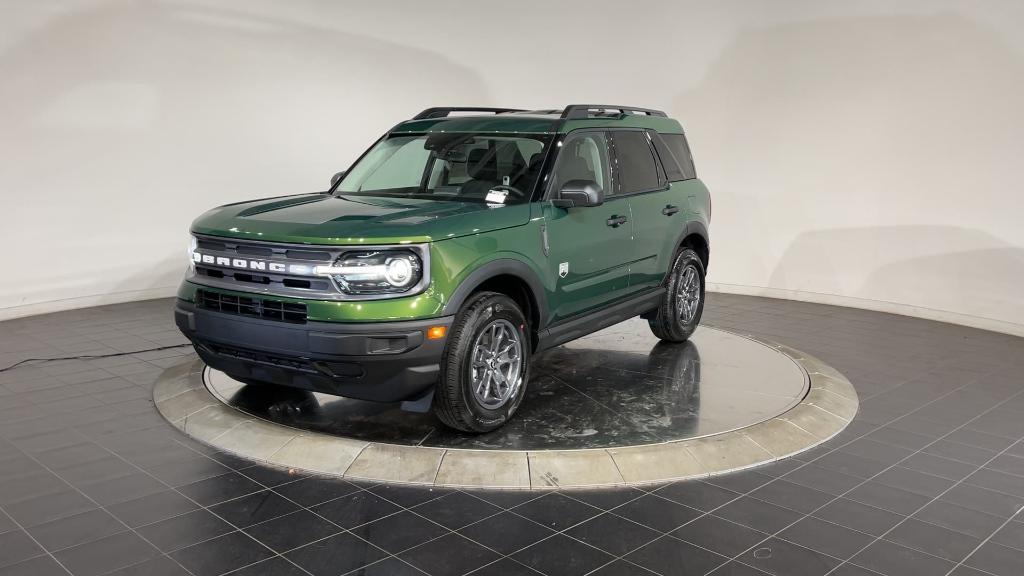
830, 404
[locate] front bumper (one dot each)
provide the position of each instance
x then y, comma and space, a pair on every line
380, 361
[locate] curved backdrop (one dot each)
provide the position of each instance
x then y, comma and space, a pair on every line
864, 155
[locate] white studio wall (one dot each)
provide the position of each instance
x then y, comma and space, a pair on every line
861, 153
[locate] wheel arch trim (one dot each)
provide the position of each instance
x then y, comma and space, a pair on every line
495, 268
696, 228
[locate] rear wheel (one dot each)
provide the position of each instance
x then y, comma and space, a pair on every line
680, 311
485, 365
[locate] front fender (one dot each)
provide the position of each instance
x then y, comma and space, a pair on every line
482, 272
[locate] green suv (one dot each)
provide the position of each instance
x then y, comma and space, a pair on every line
461, 244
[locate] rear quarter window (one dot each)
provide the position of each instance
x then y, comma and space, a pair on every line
680, 151
668, 160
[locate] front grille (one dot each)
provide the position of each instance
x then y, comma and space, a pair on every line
263, 250
252, 307
281, 269
263, 279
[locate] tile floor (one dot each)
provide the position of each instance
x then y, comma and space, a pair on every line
928, 479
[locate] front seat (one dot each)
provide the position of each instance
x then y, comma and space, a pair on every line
573, 168
482, 167
528, 174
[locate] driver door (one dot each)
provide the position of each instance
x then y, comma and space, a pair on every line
589, 248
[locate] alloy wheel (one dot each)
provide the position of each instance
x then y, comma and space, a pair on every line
688, 294
496, 364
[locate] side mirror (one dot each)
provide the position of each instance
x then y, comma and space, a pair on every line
336, 177
579, 193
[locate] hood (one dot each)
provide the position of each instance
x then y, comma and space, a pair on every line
326, 219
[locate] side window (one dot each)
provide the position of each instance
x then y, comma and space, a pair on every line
673, 171
637, 169
583, 156
681, 151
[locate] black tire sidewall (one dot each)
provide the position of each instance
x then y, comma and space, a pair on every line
475, 317
685, 258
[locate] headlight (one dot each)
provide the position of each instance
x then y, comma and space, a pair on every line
375, 272
192, 254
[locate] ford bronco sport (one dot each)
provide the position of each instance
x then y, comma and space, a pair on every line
463, 242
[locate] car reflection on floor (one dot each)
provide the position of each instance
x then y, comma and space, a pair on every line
616, 387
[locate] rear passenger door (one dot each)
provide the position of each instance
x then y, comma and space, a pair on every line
657, 224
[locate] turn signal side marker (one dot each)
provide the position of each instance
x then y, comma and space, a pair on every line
436, 332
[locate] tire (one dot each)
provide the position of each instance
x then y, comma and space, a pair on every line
669, 322
471, 337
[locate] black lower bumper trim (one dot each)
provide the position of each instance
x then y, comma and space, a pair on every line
381, 361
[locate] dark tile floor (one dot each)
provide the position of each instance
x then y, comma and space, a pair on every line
928, 479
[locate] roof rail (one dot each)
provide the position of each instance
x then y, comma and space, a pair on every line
445, 111
582, 111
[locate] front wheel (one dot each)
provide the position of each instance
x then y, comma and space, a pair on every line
485, 366
680, 311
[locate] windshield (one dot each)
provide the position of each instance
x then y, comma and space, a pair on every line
450, 166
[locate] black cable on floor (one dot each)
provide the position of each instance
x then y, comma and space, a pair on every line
90, 356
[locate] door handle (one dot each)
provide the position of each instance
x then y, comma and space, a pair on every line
669, 210
616, 221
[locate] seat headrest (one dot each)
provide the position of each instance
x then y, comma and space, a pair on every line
576, 168
482, 164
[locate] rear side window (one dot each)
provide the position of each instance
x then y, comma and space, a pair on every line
668, 160
637, 168
680, 151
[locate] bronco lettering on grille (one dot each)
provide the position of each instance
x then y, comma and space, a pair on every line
245, 264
